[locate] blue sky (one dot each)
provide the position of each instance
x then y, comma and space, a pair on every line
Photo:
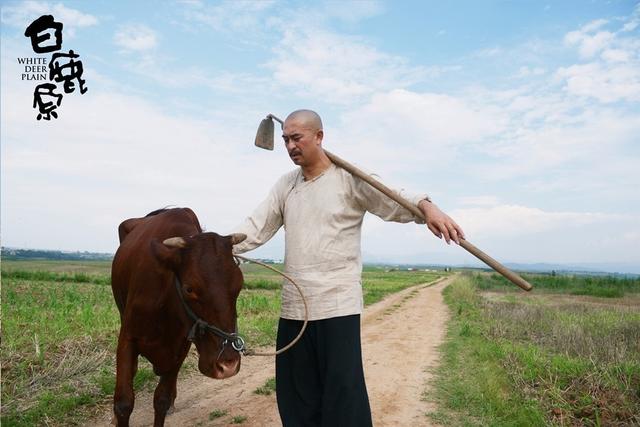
520, 119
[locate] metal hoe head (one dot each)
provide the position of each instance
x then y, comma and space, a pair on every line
264, 136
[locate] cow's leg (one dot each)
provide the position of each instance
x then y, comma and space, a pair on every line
164, 395
126, 366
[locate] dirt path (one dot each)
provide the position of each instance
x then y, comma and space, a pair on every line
399, 338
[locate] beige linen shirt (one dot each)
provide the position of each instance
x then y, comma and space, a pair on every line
322, 220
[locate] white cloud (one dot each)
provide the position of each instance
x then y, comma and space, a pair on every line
21, 14
514, 220
251, 20
568, 135
578, 118
167, 75
478, 200
545, 139
525, 72
613, 73
337, 68
606, 84
353, 11
73, 17
632, 236
512, 233
401, 129
310, 58
136, 37
633, 21
193, 3
439, 118
594, 25
630, 26
489, 52
517, 233
589, 44
242, 17
582, 143
123, 157
616, 55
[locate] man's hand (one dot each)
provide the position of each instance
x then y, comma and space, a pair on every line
440, 223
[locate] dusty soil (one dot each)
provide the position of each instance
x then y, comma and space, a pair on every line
399, 337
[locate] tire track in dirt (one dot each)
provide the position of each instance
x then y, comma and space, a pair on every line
399, 344
400, 336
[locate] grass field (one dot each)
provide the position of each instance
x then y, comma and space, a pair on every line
60, 327
566, 354
598, 286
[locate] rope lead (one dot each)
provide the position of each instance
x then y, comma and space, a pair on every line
249, 352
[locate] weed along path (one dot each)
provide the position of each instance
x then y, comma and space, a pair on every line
400, 336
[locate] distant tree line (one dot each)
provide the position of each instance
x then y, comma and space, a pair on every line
16, 254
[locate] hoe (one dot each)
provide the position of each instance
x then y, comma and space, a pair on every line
265, 138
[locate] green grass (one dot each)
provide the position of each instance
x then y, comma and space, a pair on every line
48, 276
532, 360
597, 286
238, 419
261, 283
58, 349
471, 387
258, 313
607, 334
216, 413
67, 267
378, 284
60, 328
267, 388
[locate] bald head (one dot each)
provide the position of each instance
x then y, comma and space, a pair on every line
302, 134
307, 118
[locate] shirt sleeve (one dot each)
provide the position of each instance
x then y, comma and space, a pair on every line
374, 201
264, 221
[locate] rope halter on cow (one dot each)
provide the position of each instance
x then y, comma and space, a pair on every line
237, 342
200, 326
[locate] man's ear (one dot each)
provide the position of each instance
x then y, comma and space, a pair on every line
167, 254
320, 135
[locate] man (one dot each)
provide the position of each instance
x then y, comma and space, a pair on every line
320, 380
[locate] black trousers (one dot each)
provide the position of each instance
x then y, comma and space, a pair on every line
320, 380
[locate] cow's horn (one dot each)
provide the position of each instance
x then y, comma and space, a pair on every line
175, 242
237, 238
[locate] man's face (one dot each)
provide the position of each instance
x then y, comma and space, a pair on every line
302, 141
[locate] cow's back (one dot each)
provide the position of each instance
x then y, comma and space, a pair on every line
134, 268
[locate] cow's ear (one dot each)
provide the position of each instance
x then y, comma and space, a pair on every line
231, 240
168, 255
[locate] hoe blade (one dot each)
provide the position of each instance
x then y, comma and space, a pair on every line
264, 136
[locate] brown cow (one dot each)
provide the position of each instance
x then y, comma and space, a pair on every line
172, 284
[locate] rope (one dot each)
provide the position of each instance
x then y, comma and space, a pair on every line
250, 352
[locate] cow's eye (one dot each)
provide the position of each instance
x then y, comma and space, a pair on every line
189, 290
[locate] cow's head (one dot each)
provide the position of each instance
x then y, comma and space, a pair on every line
210, 281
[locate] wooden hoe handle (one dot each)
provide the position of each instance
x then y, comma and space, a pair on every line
513, 277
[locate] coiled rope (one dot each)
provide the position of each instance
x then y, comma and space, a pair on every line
249, 352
